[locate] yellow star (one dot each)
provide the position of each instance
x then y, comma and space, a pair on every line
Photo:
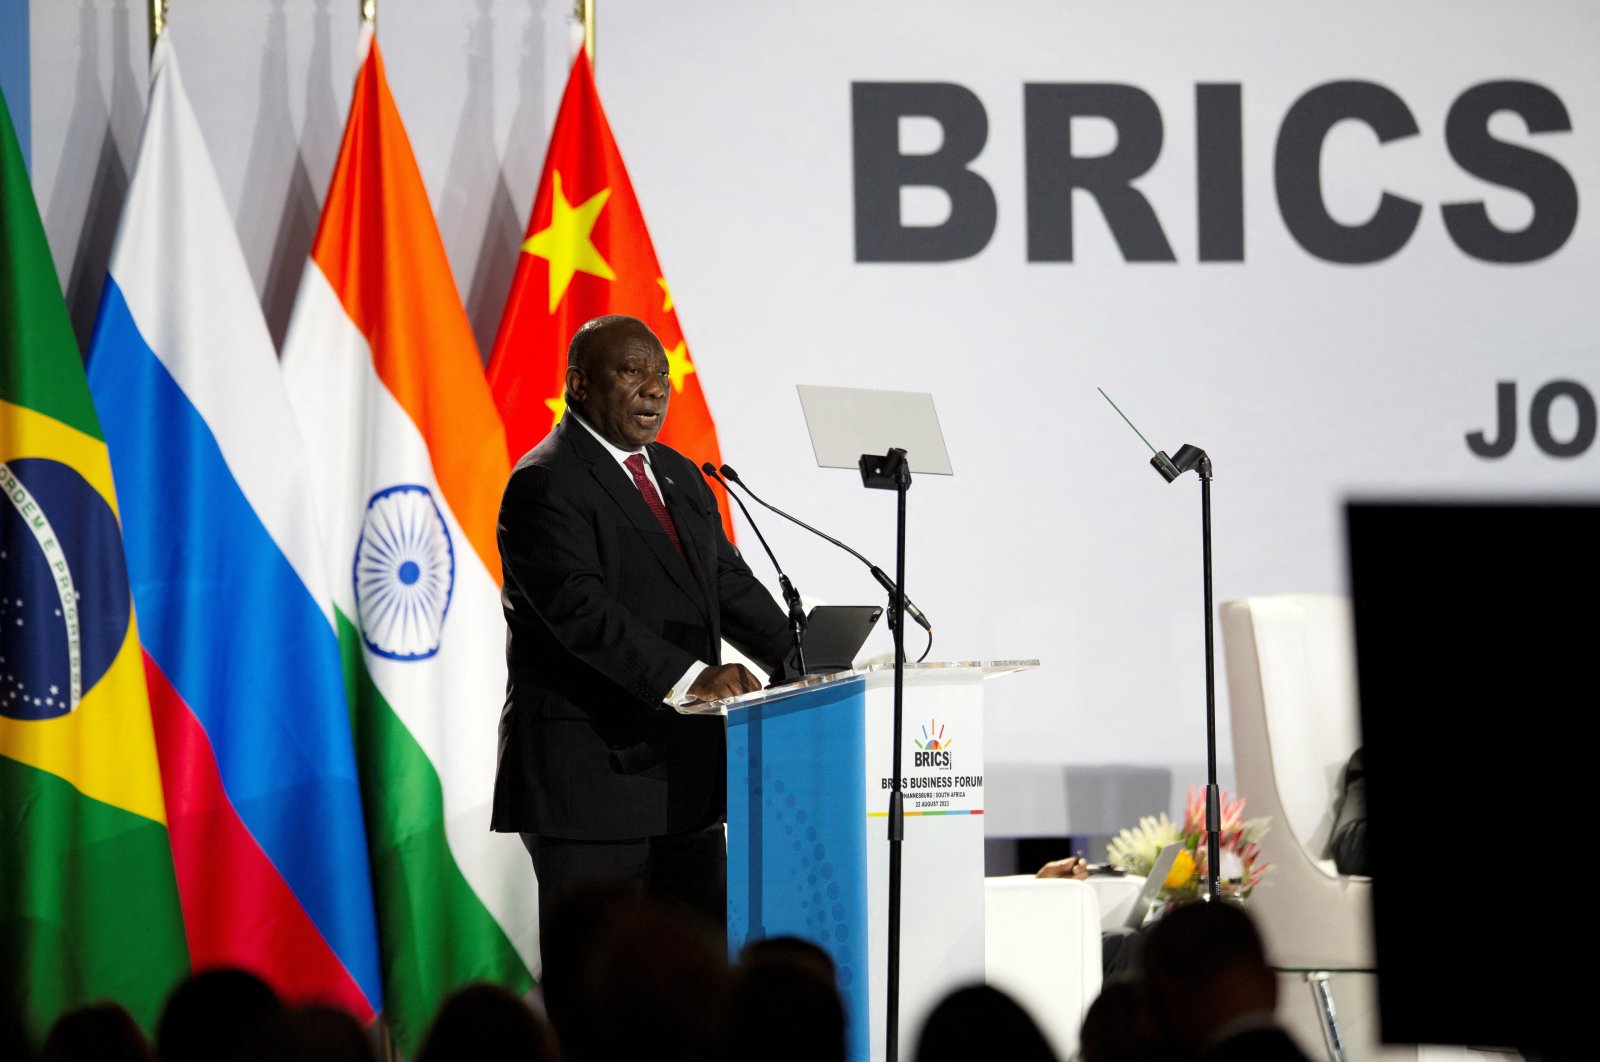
678, 365
666, 302
557, 406
567, 244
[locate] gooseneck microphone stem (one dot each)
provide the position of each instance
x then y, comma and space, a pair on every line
791, 596
797, 614
890, 586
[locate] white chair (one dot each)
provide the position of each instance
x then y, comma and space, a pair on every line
1042, 947
1291, 686
1116, 895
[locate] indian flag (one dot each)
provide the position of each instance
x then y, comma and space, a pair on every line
88, 897
409, 463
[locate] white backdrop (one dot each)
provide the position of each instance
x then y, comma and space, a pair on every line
1305, 380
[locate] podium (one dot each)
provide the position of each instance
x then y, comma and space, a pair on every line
808, 855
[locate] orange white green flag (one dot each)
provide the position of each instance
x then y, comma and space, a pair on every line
409, 464
588, 253
88, 896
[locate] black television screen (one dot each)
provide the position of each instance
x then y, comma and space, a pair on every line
1477, 632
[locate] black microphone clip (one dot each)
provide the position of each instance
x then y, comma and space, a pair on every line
1186, 458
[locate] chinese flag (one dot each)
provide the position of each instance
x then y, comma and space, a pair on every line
588, 253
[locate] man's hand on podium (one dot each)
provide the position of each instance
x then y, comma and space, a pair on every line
724, 680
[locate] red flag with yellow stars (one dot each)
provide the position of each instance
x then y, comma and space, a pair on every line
588, 253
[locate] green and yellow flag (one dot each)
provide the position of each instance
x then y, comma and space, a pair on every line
88, 898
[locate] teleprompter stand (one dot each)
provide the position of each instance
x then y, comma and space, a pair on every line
886, 435
891, 472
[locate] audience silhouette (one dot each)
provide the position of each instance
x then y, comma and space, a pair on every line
648, 978
99, 1032
310, 1033
212, 1014
487, 1023
1211, 990
784, 1004
1121, 1025
981, 1022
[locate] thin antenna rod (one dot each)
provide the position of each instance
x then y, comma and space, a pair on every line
1125, 419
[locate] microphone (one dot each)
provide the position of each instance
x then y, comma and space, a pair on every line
791, 596
877, 573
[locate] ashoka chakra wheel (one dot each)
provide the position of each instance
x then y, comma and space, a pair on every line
405, 571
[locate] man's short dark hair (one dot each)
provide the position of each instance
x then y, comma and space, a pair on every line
590, 333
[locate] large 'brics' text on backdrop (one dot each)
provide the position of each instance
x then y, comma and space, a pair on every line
1054, 171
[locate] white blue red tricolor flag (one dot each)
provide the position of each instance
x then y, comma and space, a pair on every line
246, 684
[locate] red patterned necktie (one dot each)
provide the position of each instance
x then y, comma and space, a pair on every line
635, 465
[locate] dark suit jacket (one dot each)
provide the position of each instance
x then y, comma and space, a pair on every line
604, 617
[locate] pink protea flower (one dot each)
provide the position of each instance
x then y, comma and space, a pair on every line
1194, 811
1237, 842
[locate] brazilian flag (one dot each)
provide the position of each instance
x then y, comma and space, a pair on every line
88, 896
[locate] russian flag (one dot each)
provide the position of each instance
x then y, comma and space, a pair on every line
246, 682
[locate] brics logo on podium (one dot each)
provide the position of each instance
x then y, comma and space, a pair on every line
934, 748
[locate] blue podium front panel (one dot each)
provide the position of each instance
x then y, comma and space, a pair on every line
797, 863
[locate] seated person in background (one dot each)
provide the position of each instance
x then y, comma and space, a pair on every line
1210, 988
1074, 866
1347, 844
1119, 946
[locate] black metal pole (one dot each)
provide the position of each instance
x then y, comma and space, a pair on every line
1213, 796
1187, 457
893, 472
897, 819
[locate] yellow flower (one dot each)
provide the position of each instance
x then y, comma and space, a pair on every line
1182, 872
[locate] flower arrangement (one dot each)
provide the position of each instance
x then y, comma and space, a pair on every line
1134, 850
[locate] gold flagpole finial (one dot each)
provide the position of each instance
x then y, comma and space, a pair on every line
583, 11
369, 12
158, 21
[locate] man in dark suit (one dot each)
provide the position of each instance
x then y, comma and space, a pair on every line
619, 586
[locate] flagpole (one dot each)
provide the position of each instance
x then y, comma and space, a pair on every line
158, 21
583, 11
369, 29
